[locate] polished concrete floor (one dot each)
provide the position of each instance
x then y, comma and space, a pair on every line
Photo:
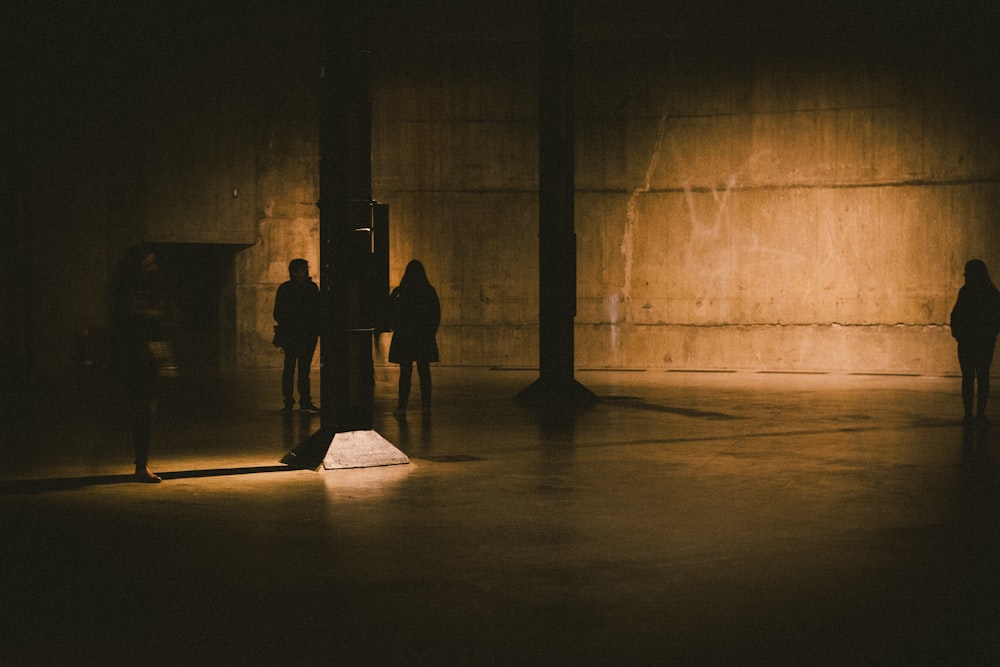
685, 519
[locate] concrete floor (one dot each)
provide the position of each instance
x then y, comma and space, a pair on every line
687, 519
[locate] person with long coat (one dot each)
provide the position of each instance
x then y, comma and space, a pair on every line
416, 314
975, 322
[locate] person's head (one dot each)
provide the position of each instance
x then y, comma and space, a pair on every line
149, 264
137, 268
139, 259
976, 274
414, 274
298, 269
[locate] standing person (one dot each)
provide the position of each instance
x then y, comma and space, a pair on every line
975, 322
296, 310
142, 316
416, 314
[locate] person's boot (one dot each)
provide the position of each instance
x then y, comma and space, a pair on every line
144, 474
969, 418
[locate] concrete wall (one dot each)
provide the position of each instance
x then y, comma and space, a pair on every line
795, 208
201, 167
286, 215
774, 188
455, 157
807, 217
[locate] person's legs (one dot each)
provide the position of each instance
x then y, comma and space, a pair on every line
424, 371
984, 359
143, 397
305, 357
142, 429
288, 376
405, 380
967, 363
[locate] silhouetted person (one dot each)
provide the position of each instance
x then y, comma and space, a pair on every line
142, 316
416, 314
296, 310
975, 322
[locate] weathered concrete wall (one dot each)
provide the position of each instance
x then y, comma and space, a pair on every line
808, 217
455, 157
201, 163
753, 192
286, 215
733, 212
75, 199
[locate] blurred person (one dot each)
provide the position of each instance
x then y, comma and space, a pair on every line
975, 322
415, 314
142, 318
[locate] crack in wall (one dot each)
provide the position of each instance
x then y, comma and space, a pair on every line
631, 207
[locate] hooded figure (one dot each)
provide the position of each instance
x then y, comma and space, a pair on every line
975, 322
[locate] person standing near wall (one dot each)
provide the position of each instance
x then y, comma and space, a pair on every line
975, 322
142, 316
415, 314
296, 311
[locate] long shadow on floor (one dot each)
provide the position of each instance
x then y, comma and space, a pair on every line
30, 486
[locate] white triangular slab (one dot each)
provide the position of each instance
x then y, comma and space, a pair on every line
361, 449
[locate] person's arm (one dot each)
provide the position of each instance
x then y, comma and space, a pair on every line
960, 324
435, 314
280, 305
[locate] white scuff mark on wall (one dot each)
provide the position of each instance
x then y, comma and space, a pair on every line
705, 233
613, 314
632, 207
727, 254
699, 229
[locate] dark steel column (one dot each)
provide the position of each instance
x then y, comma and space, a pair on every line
347, 379
556, 191
347, 373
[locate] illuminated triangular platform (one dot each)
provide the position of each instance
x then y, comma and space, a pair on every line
350, 449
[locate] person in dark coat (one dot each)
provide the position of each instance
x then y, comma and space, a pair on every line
416, 314
975, 322
142, 318
297, 311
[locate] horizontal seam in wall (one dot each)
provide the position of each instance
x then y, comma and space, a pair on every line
706, 189
732, 325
